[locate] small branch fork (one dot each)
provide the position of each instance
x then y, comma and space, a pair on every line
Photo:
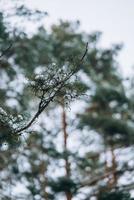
44, 103
5, 51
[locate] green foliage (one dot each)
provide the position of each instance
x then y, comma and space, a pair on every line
117, 195
49, 62
64, 184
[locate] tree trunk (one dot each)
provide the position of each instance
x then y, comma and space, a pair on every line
68, 196
113, 178
107, 167
65, 135
114, 165
43, 183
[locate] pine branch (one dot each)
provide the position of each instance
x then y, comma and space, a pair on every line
42, 105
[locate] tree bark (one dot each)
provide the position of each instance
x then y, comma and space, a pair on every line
43, 183
114, 165
65, 136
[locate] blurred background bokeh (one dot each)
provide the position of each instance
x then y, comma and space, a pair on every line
80, 147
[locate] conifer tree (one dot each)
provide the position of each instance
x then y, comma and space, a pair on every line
55, 65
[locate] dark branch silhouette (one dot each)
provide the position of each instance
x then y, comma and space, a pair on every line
4, 52
44, 103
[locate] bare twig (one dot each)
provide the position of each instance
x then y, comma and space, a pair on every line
81, 60
4, 52
102, 177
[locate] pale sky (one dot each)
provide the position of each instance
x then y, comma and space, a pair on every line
115, 18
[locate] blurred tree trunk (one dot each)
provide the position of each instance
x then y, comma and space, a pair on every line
43, 183
114, 166
112, 180
65, 136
